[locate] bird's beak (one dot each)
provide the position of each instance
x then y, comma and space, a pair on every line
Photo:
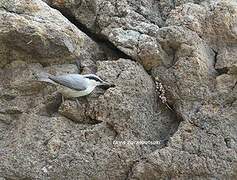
106, 85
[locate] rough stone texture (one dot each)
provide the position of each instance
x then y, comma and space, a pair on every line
187, 45
129, 25
201, 84
37, 142
216, 23
35, 33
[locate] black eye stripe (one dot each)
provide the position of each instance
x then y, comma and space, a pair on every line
94, 78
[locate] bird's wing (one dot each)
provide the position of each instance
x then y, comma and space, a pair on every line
72, 81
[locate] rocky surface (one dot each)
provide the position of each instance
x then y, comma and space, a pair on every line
188, 46
129, 25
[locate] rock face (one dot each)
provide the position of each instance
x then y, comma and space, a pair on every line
202, 88
188, 47
129, 25
28, 35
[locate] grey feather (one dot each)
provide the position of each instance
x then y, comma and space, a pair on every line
43, 77
72, 81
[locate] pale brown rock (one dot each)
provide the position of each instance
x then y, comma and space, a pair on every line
201, 82
27, 35
187, 46
129, 25
79, 142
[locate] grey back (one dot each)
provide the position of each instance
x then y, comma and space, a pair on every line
72, 81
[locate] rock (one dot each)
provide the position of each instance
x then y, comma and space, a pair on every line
188, 72
125, 132
214, 21
167, 162
167, 6
134, 89
93, 51
45, 139
225, 83
226, 58
79, 113
200, 83
233, 69
33, 32
130, 26
45, 148
120, 106
87, 12
55, 38
52, 39
193, 152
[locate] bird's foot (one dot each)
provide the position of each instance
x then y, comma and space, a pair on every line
78, 104
63, 100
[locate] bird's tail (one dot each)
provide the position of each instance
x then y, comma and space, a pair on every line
43, 77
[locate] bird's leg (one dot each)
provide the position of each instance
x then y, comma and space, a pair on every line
85, 98
78, 104
63, 99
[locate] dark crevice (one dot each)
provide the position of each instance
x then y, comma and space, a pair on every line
11, 111
177, 120
220, 71
174, 59
79, 66
149, 71
8, 97
46, 142
234, 85
100, 39
93, 121
10, 11
215, 57
118, 75
175, 117
228, 142
174, 3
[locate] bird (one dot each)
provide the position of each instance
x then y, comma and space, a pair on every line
74, 85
